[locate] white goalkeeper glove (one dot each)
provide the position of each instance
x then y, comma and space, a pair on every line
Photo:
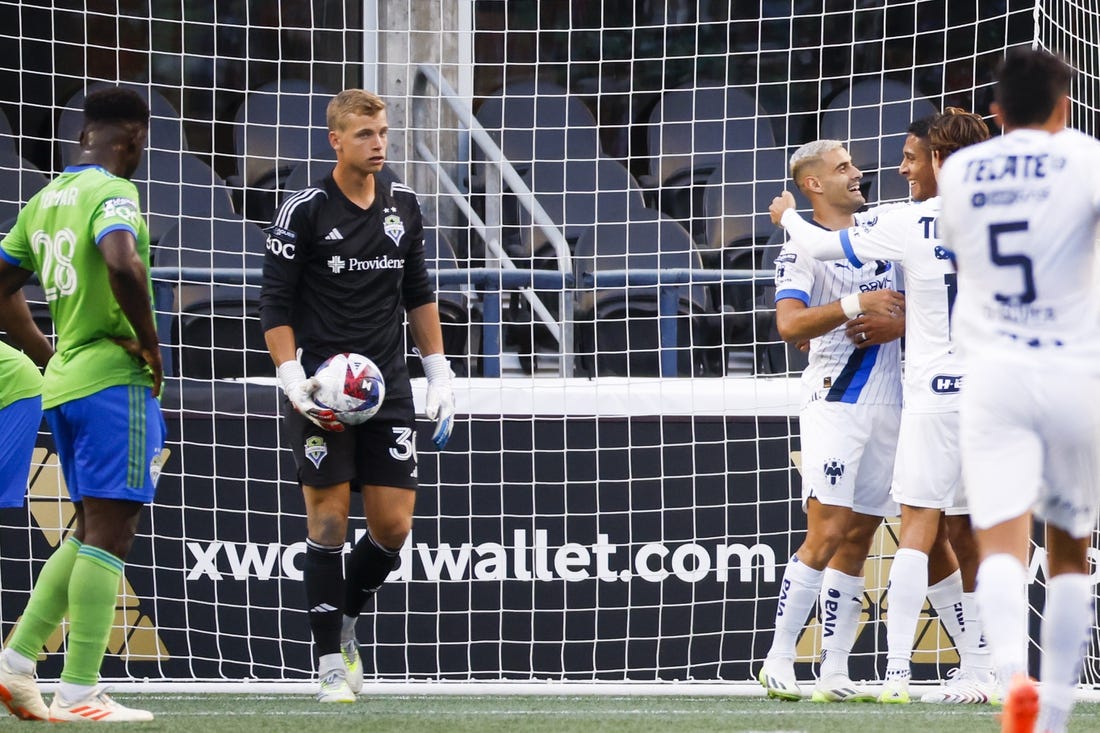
299, 390
439, 403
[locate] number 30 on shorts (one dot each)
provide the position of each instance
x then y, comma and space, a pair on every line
403, 448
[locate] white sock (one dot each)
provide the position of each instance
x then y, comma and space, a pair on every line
841, 603
71, 692
1002, 602
328, 662
1067, 625
797, 594
17, 662
975, 656
905, 596
946, 597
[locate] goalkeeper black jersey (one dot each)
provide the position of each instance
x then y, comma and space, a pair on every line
342, 276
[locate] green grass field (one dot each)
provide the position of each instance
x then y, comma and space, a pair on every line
553, 714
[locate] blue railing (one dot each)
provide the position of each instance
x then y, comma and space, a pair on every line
490, 284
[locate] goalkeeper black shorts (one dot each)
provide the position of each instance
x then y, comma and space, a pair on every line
379, 452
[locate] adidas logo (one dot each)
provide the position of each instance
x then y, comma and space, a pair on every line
334, 235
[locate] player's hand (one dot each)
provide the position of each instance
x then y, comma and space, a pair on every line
780, 204
299, 390
888, 303
439, 403
150, 356
873, 330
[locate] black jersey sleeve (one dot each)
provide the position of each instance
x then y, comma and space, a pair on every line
288, 237
416, 289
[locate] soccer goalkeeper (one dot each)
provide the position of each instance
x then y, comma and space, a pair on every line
351, 244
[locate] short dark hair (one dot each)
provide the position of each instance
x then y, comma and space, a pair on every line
955, 129
115, 105
920, 127
1029, 84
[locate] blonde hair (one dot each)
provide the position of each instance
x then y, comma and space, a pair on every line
352, 102
808, 155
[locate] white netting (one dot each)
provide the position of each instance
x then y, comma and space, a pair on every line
632, 526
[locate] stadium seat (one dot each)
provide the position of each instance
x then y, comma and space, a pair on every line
689, 130
576, 195
174, 186
530, 122
617, 329
276, 127
19, 181
215, 328
539, 121
736, 197
871, 117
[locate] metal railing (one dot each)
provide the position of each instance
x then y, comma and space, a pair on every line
490, 284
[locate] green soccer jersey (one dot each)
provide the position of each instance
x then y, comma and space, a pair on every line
19, 377
57, 236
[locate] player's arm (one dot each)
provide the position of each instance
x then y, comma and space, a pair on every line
797, 321
439, 402
282, 267
857, 245
15, 315
129, 282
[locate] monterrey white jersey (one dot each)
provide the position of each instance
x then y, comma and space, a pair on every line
910, 237
837, 371
1020, 214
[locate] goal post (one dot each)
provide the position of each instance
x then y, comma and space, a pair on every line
622, 529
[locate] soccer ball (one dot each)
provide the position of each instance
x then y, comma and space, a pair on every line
351, 386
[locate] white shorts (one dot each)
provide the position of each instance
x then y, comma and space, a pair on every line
928, 470
848, 455
1031, 441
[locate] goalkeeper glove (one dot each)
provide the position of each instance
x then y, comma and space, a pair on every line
299, 390
439, 404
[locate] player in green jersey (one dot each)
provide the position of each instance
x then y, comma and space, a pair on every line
85, 238
20, 417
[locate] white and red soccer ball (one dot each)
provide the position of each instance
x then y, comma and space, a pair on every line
351, 386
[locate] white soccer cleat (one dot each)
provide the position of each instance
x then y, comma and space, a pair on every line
349, 650
334, 687
895, 692
962, 688
97, 707
840, 688
20, 695
779, 680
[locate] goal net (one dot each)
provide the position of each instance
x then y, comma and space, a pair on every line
621, 494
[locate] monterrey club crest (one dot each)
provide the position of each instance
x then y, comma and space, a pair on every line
316, 450
392, 225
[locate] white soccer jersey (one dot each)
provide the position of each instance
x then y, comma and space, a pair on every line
907, 235
837, 371
1020, 214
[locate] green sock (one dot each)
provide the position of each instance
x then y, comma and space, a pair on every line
49, 602
93, 593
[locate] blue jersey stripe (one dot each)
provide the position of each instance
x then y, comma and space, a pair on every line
794, 294
846, 245
115, 228
8, 258
853, 377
